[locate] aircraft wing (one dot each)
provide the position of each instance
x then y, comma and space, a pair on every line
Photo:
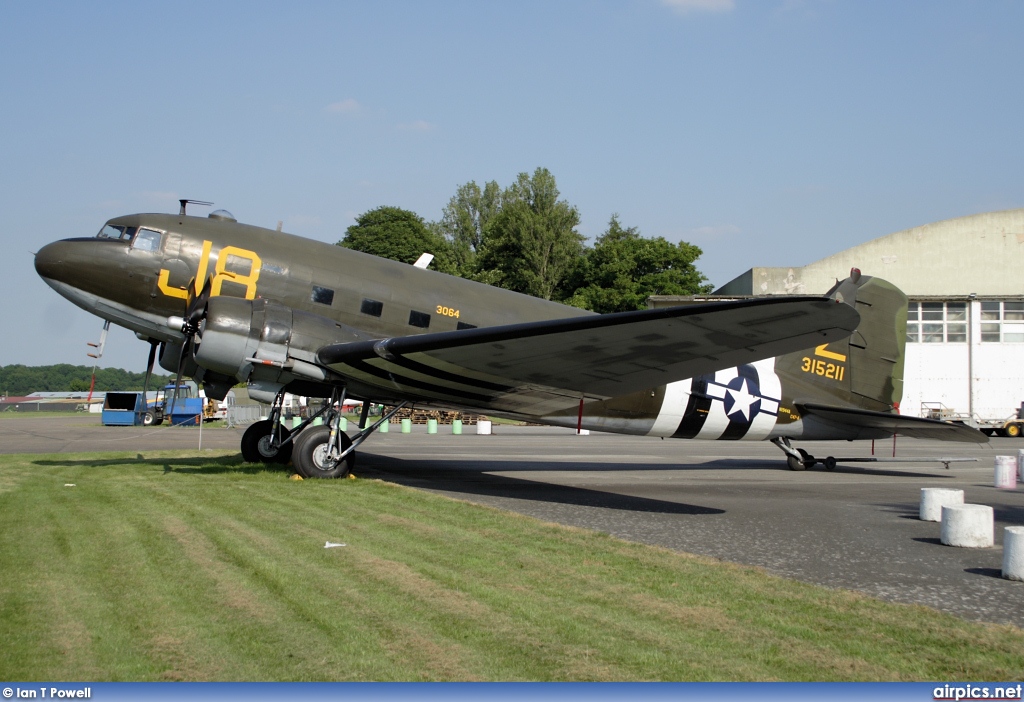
597, 356
915, 427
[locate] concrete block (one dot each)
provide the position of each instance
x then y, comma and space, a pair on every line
1006, 472
1013, 553
934, 499
968, 526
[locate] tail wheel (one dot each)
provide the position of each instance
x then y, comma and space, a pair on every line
795, 464
257, 448
1013, 430
807, 461
311, 457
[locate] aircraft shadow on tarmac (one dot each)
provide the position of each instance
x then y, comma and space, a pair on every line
745, 464
475, 478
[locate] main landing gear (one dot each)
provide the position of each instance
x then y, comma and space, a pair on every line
323, 451
798, 459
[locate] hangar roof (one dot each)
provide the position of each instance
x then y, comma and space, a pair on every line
980, 255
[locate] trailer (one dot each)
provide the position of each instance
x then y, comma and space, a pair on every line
1012, 426
123, 409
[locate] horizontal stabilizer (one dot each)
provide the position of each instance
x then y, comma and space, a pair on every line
600, 355
915, 427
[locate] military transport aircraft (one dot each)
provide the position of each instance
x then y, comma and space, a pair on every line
225, 302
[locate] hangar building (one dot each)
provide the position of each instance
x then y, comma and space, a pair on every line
965, 326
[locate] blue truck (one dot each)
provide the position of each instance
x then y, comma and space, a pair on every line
187, 406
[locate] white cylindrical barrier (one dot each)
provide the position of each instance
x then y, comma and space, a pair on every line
968, 526
1006, 472
934, 499
1020, 465
1013, 553
483, 426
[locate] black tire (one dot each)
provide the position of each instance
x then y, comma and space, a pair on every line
148, 419
310, 455
256, 444
830, 463
809, 460
795, 464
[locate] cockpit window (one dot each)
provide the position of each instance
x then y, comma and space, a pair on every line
116, 231
147, 240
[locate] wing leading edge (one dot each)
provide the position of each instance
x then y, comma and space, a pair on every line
521, 367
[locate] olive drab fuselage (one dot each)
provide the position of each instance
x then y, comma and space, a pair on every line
144, 281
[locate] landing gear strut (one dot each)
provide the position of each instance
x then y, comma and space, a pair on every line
326, 451
267, 441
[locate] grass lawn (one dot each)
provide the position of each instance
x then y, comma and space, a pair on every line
186, 566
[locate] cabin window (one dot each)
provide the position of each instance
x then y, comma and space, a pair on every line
463, 325
419, 319
147, 240
116, 231
323, 296
372, 308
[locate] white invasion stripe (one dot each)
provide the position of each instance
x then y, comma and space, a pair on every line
717, 421
716, 391
677, 394
770, 388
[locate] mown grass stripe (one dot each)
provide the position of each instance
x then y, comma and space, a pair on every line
184, 566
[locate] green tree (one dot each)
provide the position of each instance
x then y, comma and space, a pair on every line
624, 269
401, 235
531, 244
465, 219
21, 380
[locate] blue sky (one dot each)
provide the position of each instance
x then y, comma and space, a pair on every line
768, 133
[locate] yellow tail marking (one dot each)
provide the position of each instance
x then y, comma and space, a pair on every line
820, 351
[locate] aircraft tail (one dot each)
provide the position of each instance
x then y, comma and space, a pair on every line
864, 370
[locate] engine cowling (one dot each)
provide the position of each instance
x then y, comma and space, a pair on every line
265, 341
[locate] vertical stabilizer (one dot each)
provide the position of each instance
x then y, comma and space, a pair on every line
865, 370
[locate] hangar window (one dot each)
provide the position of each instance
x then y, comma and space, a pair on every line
1002, 321
324, 296
372, 308
419, 319
937, 322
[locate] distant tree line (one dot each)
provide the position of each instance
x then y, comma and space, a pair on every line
63, 377
524, 238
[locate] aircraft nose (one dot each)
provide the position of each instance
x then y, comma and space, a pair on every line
51, 260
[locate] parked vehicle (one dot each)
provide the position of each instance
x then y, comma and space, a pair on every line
185, 402
1012, 426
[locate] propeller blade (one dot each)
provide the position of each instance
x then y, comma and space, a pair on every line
197, 306
177, 380
149, 368
195, 311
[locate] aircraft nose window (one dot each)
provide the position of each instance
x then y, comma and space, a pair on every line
147, 240
116, 231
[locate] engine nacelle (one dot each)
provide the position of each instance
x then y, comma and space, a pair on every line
265, 341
